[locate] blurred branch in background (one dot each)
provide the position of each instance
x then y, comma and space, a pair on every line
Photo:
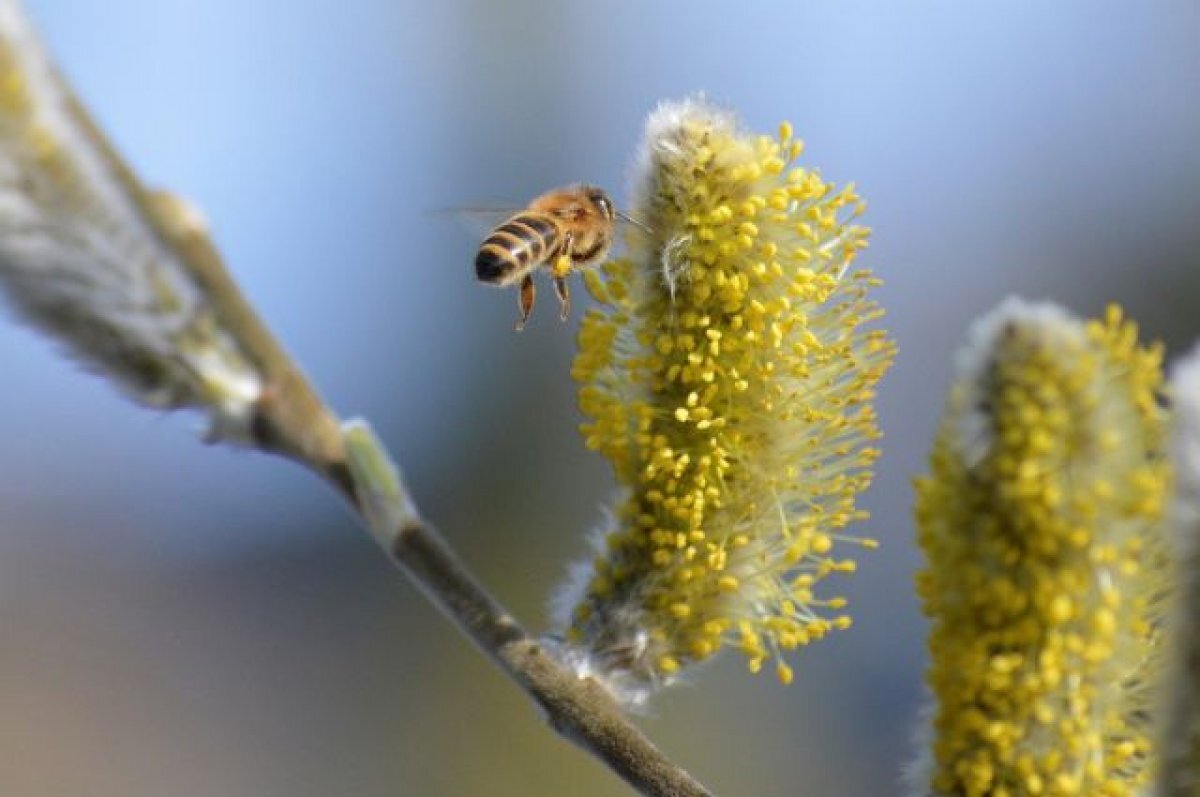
128, 280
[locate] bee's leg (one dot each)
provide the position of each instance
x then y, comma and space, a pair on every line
525, 298
561, 265
564, 297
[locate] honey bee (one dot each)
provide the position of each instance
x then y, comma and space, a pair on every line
565, 230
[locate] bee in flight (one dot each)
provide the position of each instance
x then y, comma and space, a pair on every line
565, 230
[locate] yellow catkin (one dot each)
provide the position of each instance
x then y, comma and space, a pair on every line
1042, 519
727, 376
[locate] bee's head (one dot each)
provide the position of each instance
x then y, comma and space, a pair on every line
599, 199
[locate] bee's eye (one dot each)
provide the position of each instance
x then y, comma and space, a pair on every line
604, 204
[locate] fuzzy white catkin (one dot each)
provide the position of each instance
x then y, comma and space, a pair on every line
727, 373
1181, 741
81, 260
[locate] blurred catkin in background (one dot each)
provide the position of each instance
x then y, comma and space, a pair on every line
1180, 723
1044, 520
80, 260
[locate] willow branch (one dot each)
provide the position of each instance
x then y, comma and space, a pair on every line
291, 420
579, 709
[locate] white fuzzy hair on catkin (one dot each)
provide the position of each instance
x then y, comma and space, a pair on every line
82, 259
1180, 731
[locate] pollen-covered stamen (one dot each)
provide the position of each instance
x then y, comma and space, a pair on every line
728, 378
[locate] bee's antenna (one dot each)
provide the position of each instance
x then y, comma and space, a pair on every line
633, 221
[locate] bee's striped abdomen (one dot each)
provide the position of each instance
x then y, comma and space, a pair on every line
515, 248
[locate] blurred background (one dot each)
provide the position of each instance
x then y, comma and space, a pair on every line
191, 621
